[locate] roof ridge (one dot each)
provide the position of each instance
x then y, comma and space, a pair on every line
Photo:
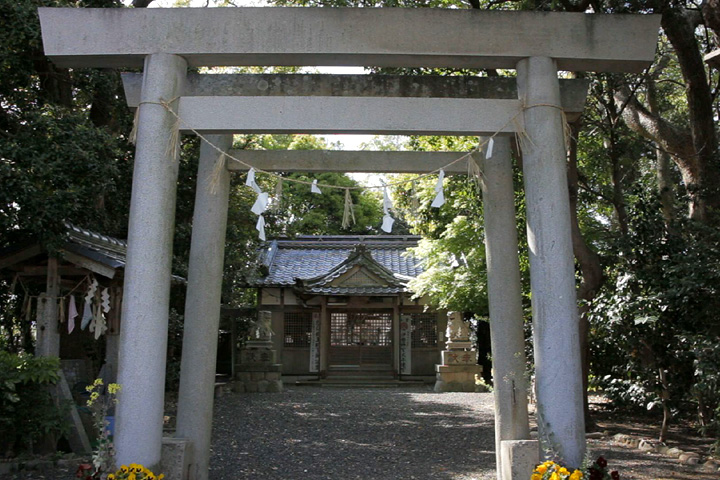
96, 239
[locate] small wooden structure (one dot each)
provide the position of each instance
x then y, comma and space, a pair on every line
341, 306
84, 258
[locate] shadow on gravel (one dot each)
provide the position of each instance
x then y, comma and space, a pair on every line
315, 433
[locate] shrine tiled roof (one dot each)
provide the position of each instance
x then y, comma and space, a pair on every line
108, 250
312, 262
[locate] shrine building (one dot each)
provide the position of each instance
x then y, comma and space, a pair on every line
341, 306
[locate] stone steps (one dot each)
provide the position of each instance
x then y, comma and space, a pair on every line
359, 381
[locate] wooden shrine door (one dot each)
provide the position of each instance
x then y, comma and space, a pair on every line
361, 340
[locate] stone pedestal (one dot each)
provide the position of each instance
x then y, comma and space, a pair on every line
459, 363
258, 370
456, 377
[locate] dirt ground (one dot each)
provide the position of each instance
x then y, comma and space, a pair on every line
632, 464
637, 465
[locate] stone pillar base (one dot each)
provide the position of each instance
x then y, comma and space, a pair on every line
258, 378
456, 378
176, 458
519, 458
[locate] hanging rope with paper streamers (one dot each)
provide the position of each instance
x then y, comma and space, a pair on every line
349, 210
439, 200
214, 179
521, 137
475, 174
388, 220
260, 205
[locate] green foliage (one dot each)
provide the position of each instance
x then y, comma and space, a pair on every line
660, 314
61, 157
27, 410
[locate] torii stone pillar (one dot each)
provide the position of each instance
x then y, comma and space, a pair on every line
558, 378
143, 342
202, 305
505, 298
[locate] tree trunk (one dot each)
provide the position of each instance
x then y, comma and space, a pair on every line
664, 398
681, 33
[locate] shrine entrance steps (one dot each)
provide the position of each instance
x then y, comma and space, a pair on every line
360, 380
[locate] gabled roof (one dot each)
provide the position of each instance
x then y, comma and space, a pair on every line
378, 264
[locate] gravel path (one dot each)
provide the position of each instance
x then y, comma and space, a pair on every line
310, 433
323, 433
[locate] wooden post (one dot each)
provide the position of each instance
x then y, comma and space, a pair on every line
48, 333
324, 338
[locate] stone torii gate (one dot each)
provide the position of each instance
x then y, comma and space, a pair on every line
167, 41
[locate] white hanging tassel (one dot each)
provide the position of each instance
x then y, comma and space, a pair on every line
132, 138
349, 212
92, 288
214, 179
387, 223
87, 315
439, 193
474, 173
489, 151
100, 326
261, 203
314, 188
72, 313
250, 181
105, 296
387, 218
260, 227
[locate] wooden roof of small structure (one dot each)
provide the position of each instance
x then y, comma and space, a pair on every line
83, 252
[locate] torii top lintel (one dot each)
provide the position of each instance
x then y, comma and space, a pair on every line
380, 37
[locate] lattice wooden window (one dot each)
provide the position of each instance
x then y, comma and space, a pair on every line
424, 330
361, 328
298, 329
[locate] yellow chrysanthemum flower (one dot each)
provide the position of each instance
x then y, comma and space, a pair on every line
536, 476
564, 471
555, 476
542, 469
576, 475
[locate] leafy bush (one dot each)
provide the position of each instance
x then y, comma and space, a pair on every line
28, 412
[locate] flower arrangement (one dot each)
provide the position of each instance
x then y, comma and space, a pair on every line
596, 471
134, 472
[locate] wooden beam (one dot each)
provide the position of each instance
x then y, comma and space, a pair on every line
380, 37
42, 270
91, 265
